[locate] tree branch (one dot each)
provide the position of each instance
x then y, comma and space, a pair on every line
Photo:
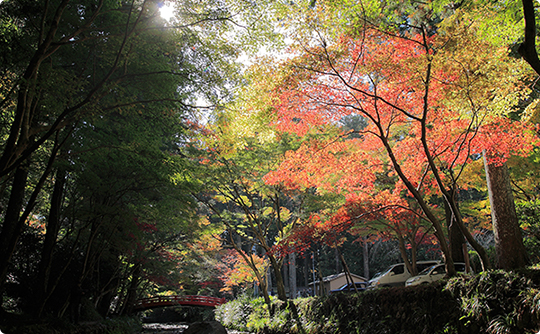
527, 49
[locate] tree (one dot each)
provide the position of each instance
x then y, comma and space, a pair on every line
96, 81
413, 104
511, 253
126, 213
45, 73
257, 213
335, 18
240, 273
236, 150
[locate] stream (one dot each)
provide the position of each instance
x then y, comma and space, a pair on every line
172, 328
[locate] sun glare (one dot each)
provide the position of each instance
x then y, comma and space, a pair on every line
167, 11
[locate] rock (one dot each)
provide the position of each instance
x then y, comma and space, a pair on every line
205, 327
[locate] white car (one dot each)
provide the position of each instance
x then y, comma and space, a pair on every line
433, 273
396, 274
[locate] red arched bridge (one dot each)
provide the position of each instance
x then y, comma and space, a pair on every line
146, 303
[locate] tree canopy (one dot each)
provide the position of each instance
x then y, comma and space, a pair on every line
200, 154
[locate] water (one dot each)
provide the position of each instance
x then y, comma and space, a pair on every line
172, 328
169, 328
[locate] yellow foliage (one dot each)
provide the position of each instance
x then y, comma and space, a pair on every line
242, 274
488, 82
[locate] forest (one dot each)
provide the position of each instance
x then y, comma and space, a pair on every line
252, 148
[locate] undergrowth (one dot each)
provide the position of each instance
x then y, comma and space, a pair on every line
499, 302
494, 302
118, 325
252, 315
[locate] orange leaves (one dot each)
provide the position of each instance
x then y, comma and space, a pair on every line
417, 106
505, 138
333, 166
238, 272
432, 106
295, 114
316, 230
383, 213
378, 77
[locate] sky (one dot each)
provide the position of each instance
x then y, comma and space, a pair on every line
166, 11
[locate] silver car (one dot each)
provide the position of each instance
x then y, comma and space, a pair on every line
433, 273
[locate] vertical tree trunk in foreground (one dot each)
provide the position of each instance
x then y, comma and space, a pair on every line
511, 252
455, 236
131, 297
12, 225
366, 259
280, 284
292, 276
49, 243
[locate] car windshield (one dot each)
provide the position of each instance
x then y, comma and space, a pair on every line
426, 271
387, 270
359, 285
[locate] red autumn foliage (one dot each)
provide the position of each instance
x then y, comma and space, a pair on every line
416, 127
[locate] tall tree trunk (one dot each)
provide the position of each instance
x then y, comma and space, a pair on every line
264, 289
511, 253
285, 272
348, 274
468, 236
410, 264
12, 225
280, 284
455, 236
53, 226
338, 262
414, 248
322, 288
292, 276
269, 283
366, 258
131, 296
306, 273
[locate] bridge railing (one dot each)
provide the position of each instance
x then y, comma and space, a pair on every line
178, 300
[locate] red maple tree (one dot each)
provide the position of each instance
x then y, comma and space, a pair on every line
428, 117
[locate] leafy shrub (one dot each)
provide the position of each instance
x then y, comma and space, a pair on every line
529, 219
498, 302
421, 309
492, 302
253, 315
395, 310
235, 314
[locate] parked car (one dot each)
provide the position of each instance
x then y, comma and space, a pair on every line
433, 273
396, 274
360, 286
